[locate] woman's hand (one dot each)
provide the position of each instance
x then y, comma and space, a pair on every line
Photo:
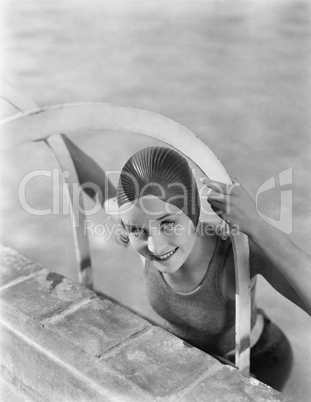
233, 204
283, 258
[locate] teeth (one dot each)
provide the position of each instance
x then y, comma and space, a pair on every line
162, 257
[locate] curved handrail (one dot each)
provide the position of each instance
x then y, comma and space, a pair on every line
58, 146
16, 98
82, 248
41, 123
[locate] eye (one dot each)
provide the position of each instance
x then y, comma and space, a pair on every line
137, 232
167, 225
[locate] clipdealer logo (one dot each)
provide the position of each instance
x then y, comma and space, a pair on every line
75, 190
285, 222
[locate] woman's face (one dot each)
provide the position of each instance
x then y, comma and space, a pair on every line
159, 231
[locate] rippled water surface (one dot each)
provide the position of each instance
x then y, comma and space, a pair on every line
236, 73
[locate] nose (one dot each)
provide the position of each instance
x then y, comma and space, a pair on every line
156, 243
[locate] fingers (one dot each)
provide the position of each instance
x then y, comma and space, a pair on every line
217, 211
220, 209
207, 181
221, 188
216, 197
235, 181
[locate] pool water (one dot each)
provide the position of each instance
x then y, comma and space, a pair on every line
236, 73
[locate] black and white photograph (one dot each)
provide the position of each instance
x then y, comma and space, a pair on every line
155, 213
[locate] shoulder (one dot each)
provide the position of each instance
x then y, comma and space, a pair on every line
227, 280
257, 260
259, 263
262, 265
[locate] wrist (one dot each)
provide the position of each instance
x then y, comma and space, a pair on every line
257, 227
254, 225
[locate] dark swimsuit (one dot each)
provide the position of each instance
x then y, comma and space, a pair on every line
205, 318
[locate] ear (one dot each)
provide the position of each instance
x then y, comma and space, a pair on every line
121, 234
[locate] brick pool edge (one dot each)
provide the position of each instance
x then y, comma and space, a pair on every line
60, 342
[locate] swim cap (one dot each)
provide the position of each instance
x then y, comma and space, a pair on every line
161, 172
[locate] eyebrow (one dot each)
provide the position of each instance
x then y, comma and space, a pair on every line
165, 216
131, 225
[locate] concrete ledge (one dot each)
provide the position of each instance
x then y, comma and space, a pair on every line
61, 343
54, 368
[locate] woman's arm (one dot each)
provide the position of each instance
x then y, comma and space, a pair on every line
235, 205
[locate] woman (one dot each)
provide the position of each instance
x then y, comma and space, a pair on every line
189, 269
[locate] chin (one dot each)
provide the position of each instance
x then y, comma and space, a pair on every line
166, 269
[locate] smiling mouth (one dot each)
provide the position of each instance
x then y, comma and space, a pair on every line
165, 256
